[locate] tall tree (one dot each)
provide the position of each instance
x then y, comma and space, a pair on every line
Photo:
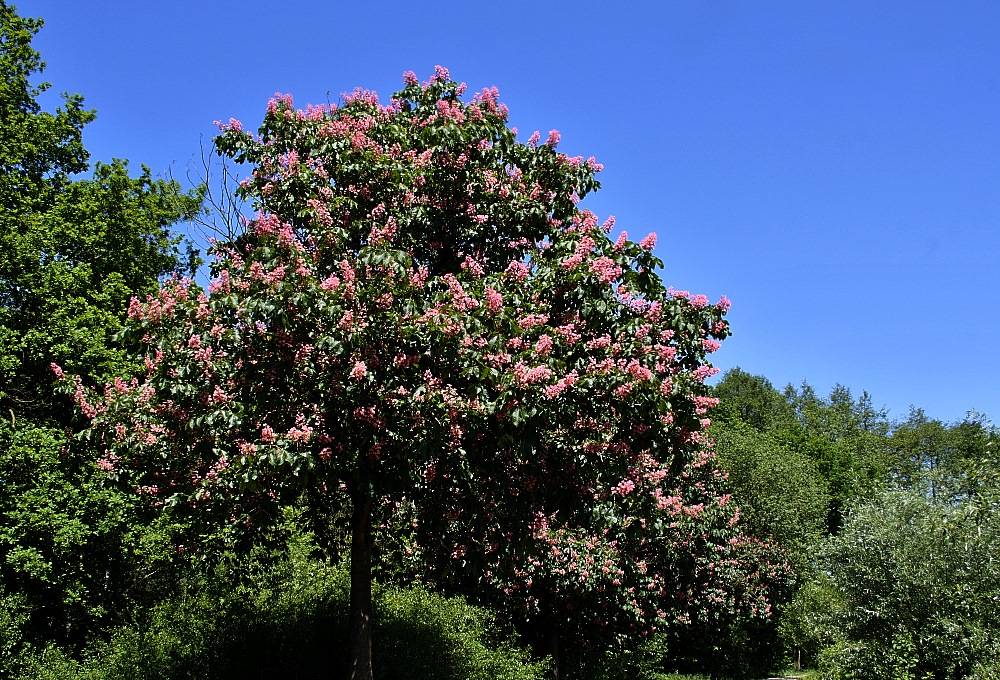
40, 150
72, 251
753, 400
940, 460
846, 438
420, 305
779, 491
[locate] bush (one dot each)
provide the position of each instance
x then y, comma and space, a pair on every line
281, 624
808, 622
631, 660
920, 579
419, 634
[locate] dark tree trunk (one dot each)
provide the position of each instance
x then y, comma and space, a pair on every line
554, 649
361, 588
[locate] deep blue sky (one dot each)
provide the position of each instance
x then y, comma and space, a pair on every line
832, 167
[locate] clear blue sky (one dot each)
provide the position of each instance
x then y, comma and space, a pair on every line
831, 167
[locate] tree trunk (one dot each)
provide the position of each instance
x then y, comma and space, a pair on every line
361, 588
554, 649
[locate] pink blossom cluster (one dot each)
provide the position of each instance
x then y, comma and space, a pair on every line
607, 270
524, 376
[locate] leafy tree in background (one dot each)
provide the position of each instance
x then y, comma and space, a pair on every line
913, 572
890, 595
847, 439
939, 460
919, 582
72, 251
40, 150
778, 490
775, 480
751, 399
77, 554
420, 312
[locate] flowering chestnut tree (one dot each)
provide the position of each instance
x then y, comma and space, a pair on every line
421, 311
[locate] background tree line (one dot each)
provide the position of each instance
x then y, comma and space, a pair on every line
891, 526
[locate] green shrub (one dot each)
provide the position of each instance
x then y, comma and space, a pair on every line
631, 660
419, 634
289, 620
809, 622
987, 670
919, 580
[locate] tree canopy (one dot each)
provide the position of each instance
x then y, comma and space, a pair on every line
73, 250
419, 312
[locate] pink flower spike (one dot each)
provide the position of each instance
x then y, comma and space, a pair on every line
267, 434
553, 140
359, 371
648, 243
441, 74
494, 301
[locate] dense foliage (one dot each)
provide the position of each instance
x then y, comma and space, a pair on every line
779, 489
72, 251
920, 584
900, 583
287, 618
